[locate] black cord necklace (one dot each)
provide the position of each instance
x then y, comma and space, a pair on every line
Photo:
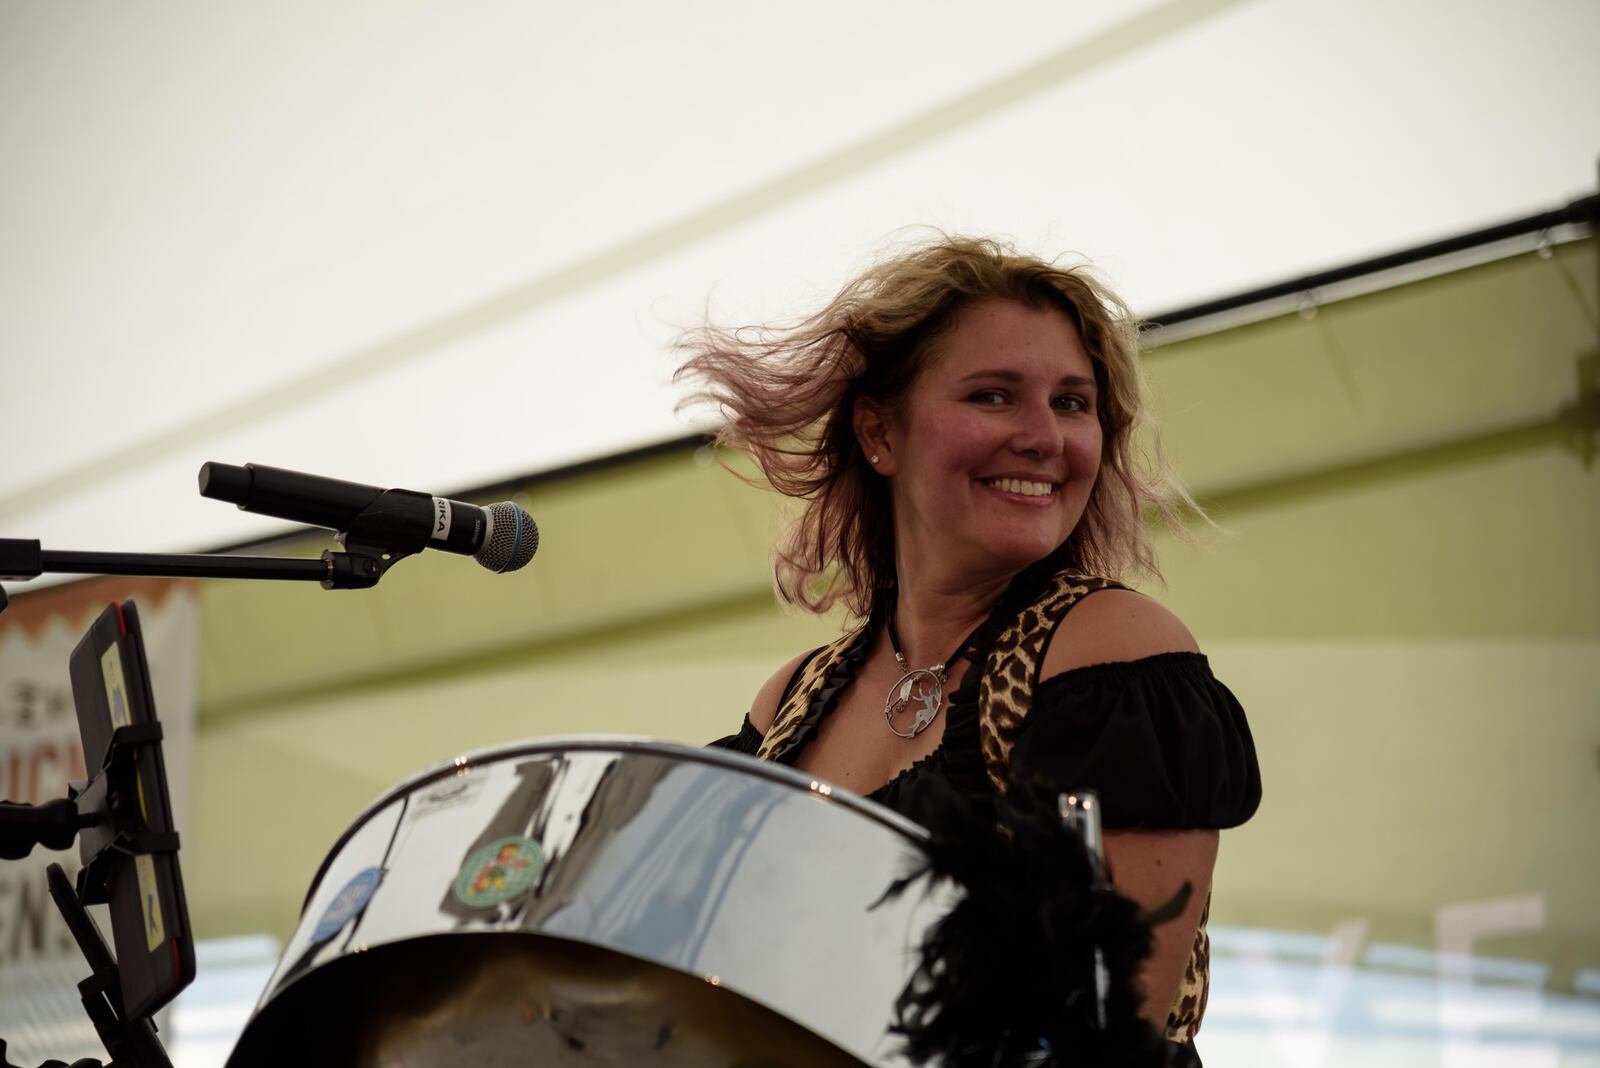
923, 687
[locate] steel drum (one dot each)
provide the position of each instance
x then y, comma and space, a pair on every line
597, 901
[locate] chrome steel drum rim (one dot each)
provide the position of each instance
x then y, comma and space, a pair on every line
779, 773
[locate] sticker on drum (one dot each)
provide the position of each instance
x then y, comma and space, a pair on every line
497, 872
347, 904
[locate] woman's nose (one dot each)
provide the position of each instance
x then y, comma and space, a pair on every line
1037, 430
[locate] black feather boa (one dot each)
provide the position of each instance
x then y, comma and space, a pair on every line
1007, 977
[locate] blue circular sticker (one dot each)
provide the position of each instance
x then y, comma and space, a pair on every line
347, 904
497, 872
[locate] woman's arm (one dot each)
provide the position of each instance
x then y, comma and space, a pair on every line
1147, 866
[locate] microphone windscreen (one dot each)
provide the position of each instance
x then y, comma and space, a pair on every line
512, 539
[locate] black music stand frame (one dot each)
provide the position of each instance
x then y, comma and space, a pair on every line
105, 810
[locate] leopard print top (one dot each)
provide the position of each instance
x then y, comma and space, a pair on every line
1011, 663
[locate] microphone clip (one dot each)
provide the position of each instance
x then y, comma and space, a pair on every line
382, 534
356, 569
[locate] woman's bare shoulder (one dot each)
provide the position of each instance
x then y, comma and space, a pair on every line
765, 708
1115, 625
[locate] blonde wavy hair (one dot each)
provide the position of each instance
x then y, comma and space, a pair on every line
787, 395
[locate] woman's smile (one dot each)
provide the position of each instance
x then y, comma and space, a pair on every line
1032, 492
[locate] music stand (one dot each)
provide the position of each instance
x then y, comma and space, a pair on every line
122, 818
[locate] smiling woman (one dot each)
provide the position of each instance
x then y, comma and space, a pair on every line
959, 422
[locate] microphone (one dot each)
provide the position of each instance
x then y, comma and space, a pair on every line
501, 537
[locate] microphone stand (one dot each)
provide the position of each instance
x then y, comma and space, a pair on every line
22, 558
359, 566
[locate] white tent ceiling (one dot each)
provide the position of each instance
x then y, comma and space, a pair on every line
438, 245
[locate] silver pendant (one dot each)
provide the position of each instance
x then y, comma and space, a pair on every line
923, 690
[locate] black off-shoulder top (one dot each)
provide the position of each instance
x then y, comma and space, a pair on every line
1164, 743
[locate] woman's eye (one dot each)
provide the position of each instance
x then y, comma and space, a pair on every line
988, 396
1072, 403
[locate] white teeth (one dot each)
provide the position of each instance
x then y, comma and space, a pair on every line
1017, 485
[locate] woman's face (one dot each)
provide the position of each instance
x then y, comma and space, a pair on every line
996, 448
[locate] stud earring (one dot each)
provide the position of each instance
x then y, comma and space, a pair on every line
872, 459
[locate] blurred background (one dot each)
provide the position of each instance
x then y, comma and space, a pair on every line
448, 247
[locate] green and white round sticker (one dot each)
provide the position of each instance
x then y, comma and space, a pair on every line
498, 871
